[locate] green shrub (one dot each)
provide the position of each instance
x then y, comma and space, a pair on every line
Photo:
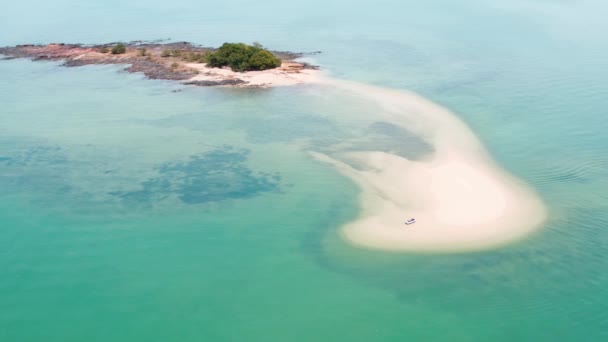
165, 53
174, 65
242, 57
263, 60
119, 48
104, 50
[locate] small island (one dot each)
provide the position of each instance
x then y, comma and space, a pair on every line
232, 64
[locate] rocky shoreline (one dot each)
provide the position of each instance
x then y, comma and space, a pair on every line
147, 58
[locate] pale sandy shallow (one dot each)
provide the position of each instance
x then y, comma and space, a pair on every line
461, 199
279, 77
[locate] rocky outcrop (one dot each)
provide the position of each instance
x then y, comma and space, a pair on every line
145, 57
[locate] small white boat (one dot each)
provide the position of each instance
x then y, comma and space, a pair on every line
410, 221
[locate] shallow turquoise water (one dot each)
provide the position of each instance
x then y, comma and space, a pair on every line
131, 212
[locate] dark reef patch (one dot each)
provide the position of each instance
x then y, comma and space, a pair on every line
77, 174
379, 136
38, 168
387, 137
217, 175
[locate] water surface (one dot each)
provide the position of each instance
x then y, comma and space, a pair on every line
132, 212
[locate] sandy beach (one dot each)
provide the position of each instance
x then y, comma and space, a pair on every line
460, 198
290, 73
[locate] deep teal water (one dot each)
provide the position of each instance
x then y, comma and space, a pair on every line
132, 212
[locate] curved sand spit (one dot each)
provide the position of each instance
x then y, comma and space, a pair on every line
461, 199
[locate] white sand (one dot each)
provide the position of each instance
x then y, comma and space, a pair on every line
287, 75
460, 198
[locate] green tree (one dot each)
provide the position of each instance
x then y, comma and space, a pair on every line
119, 48
240, 57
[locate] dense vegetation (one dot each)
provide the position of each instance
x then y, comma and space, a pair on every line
119, 48
243, 57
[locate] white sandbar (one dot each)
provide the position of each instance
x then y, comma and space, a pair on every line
460, 198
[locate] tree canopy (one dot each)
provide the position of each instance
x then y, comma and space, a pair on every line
243, 57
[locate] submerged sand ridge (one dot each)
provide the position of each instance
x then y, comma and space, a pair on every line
460, 198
